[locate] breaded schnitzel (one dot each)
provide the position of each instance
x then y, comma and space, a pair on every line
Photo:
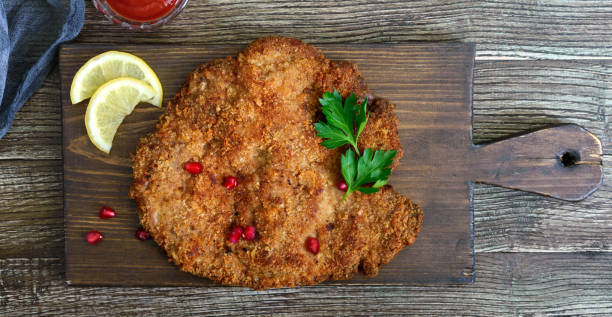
251, 117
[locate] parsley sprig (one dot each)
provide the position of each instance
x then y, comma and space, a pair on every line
344, 125
367, 169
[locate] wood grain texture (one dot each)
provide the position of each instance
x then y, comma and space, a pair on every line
509, 221
31, 208
506, 284
563, 162
511, 97
431, 86
501, 29
36, 132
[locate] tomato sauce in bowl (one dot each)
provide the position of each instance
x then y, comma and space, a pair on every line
140, 14
142, 10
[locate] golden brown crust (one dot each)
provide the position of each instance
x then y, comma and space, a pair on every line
252, 117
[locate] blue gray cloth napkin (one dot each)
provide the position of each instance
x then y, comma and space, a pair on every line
30, 32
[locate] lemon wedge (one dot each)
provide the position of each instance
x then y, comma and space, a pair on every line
110, 104
110, 65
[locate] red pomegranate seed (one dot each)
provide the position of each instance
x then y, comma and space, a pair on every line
234, 238
193, 167
107, 212
235, 234
230, 182
249, 233
94, 236
342, 186
142, 235
312, 245
237, 230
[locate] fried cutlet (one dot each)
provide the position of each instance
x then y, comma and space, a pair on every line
252, 117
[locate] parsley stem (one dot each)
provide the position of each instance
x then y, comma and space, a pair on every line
354, 144
345, 195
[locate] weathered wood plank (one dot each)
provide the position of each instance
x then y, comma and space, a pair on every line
508, 29
36, 132
510, 221
31, 208
507, 101
535, 283
510, 97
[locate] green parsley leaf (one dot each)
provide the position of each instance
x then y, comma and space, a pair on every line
335, 137
344, 122
369, 168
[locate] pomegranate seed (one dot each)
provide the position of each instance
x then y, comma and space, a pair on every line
230, 182
235, 234
94, 236
249, 233
234, 237
193, 168
107, 212
312, 245
342, 186
237, 230
142, 235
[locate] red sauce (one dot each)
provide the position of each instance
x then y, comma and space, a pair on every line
142, 10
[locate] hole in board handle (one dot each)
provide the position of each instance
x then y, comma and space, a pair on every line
569, 158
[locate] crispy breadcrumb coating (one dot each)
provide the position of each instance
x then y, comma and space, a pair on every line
252, 117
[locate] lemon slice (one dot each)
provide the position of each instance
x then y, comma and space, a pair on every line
110, 104
110, 65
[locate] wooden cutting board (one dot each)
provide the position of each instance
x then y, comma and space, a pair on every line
430, 83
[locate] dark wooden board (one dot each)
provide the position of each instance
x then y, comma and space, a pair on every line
431, 85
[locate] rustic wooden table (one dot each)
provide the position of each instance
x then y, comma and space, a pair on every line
537, 64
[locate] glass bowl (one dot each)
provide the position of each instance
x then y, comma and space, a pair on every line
118, 19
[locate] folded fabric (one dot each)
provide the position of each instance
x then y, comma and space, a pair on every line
30, 32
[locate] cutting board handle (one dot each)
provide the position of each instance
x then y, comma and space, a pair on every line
564, 162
